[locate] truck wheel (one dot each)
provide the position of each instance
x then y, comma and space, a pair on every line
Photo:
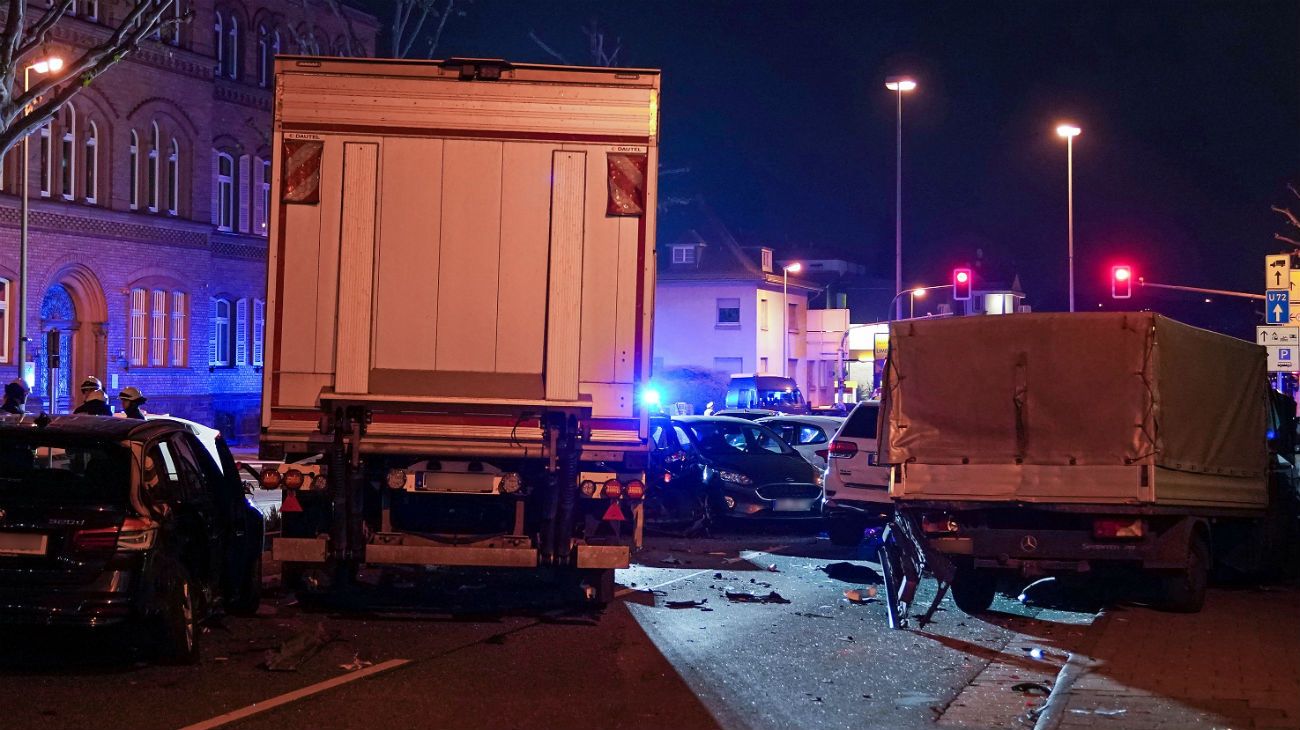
845, 531
176, 629
973, 589
1184, 592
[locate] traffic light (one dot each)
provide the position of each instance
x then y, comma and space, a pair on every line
1121, 282
961, 284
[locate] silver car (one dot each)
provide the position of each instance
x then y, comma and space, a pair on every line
809, 435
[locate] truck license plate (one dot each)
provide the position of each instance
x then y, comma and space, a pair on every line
22, 543
790, 505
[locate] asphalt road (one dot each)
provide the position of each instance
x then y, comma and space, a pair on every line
504, 652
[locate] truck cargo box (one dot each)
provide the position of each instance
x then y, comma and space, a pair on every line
1111, 408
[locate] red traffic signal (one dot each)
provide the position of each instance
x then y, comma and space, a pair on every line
961, 284
1121, 282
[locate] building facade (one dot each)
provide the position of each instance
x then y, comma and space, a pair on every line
149, 195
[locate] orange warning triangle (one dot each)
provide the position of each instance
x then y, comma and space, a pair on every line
614, 513
290, 503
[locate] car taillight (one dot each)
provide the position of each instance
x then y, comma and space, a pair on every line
271, 478
635, 490
1118, 528
136, 533
843, 449
613, 489
938, 523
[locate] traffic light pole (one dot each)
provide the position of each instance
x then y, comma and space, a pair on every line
1199, 290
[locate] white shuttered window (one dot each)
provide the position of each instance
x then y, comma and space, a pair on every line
259, 330
158, 329
137, 333
179, 328
241, 332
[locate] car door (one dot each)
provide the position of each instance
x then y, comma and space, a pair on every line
207, 522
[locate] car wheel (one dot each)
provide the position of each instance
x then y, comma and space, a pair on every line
845, 531
249, 596
973, 590
1184, 592
177, 630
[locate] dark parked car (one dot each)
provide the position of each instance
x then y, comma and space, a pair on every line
110, 521
730, 467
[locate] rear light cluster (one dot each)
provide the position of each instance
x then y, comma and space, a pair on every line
292, 479
1118, 528
135, 534
938, 523
843, 449
613, 489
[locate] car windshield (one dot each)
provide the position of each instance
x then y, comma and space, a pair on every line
62, 470
777, 399
862, 422
719, 438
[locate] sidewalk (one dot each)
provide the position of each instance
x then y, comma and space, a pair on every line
1236, 664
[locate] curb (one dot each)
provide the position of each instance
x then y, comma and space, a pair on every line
1076, 666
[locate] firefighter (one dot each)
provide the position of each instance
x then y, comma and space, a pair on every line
132, 399
93, 400
15, 397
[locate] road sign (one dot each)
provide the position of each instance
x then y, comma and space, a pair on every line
1282, 359
1277, 269
1277, 306
1295, 290
1278, 336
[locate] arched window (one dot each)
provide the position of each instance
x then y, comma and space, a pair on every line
89, 9
225, 191
47, 173
232, 48
134, 164
151, 172
219, 342
263, 56
218, 42
92, 162
173, 178
171, 32
68, 152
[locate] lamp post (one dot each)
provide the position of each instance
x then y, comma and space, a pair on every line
46, 65
785, 317
911, 301
917, 292
899, 84
1069, 132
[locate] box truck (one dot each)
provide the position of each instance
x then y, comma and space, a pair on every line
459, 302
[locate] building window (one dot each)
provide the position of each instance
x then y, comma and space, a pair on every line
158, 315
762, 314
4, 320
179, 328
232, 48
134, 164
683, 254
173, 177
259, 331
137, 327
171, 30
244, 184
262, 199
263, 57
762, 365
151, 172
728, 311
225, 191
46, 172
241, 332
68, 152
89, 9
792, 317
218, 42
92, 163
767, 259
219, 343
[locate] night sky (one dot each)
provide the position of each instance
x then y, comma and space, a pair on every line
1190, 114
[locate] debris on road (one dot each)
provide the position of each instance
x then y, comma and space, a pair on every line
773, 569
670, 560
1033, 689
689, 604
747, 597
356, 663
297, 649
850, 573
1098, 711
861, 595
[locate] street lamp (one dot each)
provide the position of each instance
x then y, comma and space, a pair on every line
796, 267
1069, 132
899, 84
53, 64
917, 292
911, 301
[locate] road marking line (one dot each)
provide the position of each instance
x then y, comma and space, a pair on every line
294, 696
747, 555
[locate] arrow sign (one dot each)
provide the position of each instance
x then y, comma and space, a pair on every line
1278, 306
1277, 271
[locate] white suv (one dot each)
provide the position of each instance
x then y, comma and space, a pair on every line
857, 489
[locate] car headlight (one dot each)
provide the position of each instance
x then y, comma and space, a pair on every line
734, 477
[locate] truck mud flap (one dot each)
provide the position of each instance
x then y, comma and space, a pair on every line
495, 557
604, 556
299, 549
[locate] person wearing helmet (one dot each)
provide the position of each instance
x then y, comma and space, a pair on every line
132, 399
15, 397
93, 400
95, 404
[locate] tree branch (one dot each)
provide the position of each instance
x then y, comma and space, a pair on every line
549, 51
35, 36
1291, 241
1291, 217
442, 23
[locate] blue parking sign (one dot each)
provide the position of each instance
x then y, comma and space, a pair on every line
1278, 306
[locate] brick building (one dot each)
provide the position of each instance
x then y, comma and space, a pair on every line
149, 197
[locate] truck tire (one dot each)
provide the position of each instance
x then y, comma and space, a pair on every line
973, 590
845, 530
1184, 592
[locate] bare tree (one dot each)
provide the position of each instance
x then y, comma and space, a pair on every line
312, 40
409, 18
1292, 224
596, 47
22, 43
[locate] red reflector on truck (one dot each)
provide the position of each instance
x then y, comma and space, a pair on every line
614, 513
843, 449
1109, 527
